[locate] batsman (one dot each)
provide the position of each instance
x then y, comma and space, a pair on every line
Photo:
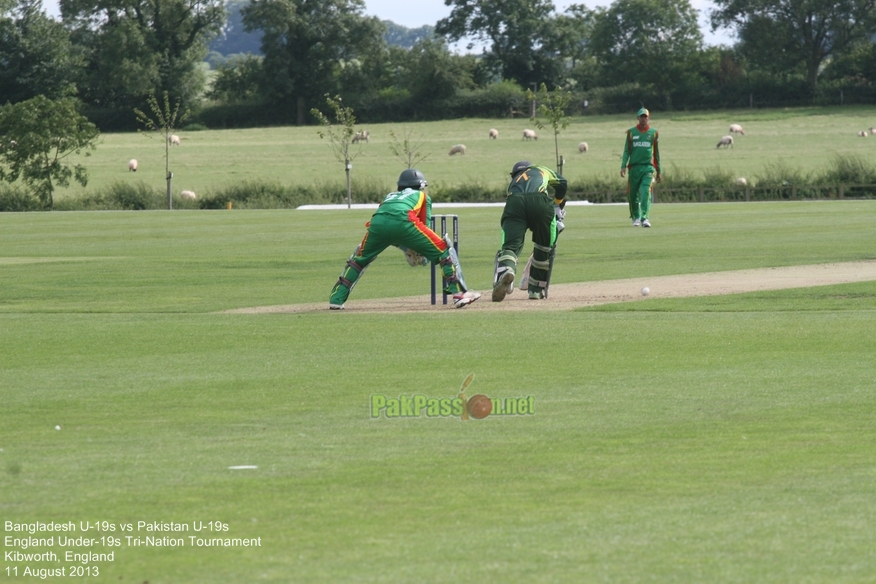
402, 220
536, 201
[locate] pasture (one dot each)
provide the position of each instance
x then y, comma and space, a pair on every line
722, 439
806, 139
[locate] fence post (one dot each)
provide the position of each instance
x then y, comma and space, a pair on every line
842, 191
701, 193
747, 195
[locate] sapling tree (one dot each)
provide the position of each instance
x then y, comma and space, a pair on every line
552, 105
166, 120
407, 150
340, 135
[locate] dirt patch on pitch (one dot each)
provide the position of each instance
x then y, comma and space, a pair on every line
569, 296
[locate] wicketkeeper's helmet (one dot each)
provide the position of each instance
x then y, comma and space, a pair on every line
520, 167
412, 178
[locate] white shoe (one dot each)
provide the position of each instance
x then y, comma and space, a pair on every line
462, 299
503, 286
637, 223
336, 306
646, 223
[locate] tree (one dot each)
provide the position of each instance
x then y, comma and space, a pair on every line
553, 106
570, 42
340, 137
306, 42
38, 135
516, 32
133, 47
651, 42
790, 33
36, 56
166, 121
408, 151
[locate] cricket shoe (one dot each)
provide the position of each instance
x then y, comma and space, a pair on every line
336, 306
538, 295
504, 286
637, 223
646, 223
462, 299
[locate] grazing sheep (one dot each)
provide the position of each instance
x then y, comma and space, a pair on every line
458, 149
361, 136
530, 135
873, 130
583, 147
174, 140
863, 133
494, 134
736, 129
189, 195
741, 181
726, 141
132, 165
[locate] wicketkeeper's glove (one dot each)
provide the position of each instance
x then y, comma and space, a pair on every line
414, 259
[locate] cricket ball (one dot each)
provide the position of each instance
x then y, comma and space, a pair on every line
645, 291
479, 406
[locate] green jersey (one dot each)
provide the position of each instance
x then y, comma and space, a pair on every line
538, 179
641, 148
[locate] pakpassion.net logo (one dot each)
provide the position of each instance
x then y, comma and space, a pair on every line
477, 406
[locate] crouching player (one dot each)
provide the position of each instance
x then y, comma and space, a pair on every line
402, 220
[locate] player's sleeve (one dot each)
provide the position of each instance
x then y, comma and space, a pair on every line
657, 153
627, 149
560, 186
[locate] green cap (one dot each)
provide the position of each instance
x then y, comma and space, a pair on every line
643, 112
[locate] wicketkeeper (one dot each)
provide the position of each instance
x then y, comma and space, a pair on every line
402, 220
529, 204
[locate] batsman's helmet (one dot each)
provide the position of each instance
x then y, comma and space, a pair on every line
520, 167
412, 178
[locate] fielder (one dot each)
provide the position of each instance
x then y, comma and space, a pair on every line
529, 205
642, 157
402, 220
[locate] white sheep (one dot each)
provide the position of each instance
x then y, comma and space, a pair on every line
458, 149
741, 181
494, 134
726, 141
863, 133
583, 147
188, 195
361, 136
174, 140
132, 165
873, 130
736, 129
530, 135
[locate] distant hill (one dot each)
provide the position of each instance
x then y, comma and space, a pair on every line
234, 40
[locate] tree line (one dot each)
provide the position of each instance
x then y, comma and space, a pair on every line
111, 55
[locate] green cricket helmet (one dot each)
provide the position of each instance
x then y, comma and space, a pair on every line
413, 179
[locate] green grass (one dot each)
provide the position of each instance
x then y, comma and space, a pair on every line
720, 439
806, 139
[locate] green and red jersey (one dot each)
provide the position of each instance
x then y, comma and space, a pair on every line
641, 148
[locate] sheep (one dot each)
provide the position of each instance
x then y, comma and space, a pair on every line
726, 141
458, 149
583, 147
736, 129
132, 165
863, 133
741, 181
361, 136
530, 135
494, 134
188, 195
174, 140
873, 130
